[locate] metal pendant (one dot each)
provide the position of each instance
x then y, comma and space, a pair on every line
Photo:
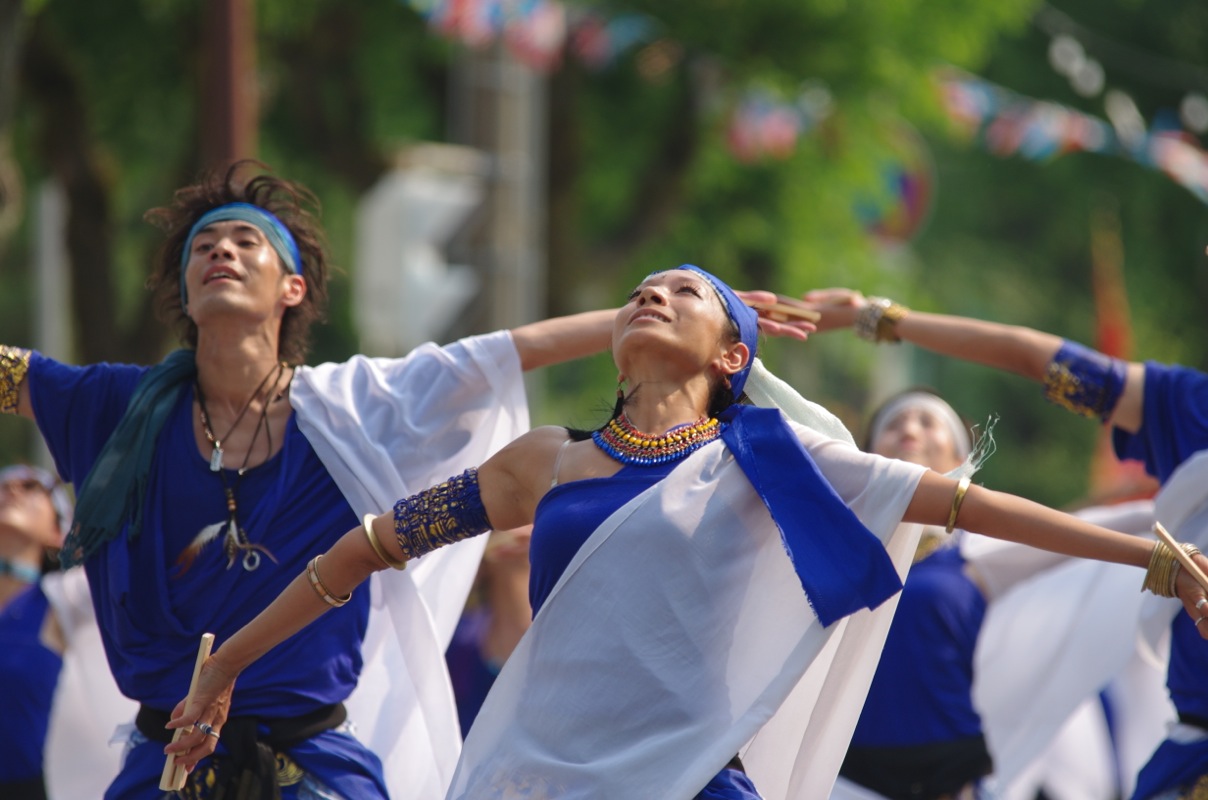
251, 560
216, 459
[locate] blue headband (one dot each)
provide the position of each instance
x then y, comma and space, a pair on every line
273, 229
745, 317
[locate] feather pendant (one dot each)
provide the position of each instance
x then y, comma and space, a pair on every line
209, 533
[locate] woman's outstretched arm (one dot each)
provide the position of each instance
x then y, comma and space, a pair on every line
1006, 516
1012, 348
503, 492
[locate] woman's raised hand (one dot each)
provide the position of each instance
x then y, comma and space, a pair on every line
837, 306
780, 315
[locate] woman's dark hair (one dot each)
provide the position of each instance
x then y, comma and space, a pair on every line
721, 396
290, 202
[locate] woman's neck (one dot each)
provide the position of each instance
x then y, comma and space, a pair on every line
655, 409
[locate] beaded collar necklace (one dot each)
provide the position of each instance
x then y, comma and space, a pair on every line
625, 443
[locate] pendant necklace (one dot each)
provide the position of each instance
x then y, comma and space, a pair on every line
625, 443
235, 538
216, 443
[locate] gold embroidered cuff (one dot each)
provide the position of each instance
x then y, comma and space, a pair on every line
14, 363
446, 513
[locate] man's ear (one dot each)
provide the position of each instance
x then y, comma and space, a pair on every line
295, 290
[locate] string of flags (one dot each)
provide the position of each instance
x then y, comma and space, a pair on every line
1009, 124
540, 33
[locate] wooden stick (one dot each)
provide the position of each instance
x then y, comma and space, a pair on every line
173, 777
786, 310
1185, 560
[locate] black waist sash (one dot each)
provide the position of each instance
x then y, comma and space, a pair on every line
250, 769
31, 789
918, 772
1195, 720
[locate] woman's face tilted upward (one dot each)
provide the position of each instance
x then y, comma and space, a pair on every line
675, 323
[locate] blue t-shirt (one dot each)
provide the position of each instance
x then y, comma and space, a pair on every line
28, 672
1174, 427
922, 692
151, 615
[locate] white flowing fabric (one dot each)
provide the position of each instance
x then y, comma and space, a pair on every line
387, 428
675, 634
1050, 642
87, 706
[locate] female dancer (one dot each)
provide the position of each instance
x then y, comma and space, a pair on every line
670, 627
1157, 415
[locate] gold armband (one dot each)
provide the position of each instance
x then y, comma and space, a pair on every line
367, 524
14, 363
958, 499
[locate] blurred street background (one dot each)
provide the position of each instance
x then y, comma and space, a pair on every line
482, 163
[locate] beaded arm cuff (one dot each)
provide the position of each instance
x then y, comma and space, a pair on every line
1084, 381
446, 513
14, 363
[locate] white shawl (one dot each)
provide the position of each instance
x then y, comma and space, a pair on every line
385, 429
678, 636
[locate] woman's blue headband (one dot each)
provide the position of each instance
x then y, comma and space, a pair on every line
273, 229
743, 316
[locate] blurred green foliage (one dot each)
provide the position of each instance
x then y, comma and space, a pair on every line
644, 179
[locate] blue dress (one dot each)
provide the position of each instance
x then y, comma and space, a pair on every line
29, 672
469, 670
919, 710
151, 613
564, 519
1174, 428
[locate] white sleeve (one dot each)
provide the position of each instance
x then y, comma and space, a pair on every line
875, 488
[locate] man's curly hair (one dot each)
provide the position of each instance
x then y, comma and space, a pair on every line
296, 207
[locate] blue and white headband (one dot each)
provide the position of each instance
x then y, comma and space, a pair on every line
278, 235
742, 315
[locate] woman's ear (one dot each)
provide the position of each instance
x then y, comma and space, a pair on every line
734, 358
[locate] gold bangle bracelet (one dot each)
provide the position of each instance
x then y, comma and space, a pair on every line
958, 499
316, 583
367, 524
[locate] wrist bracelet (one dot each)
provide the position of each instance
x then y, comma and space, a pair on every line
877, 320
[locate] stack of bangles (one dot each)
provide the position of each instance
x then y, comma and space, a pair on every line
1163, 573
877, 320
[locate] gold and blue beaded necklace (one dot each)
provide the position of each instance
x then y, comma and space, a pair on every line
625, 443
